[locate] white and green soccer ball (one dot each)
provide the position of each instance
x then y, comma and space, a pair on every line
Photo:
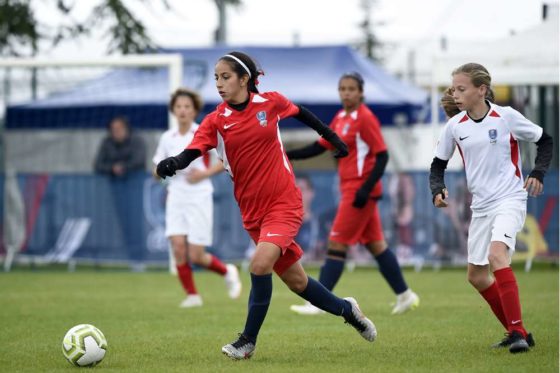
84, 345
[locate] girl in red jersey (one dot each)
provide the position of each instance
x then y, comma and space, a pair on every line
487, 136
357, 219
244, 131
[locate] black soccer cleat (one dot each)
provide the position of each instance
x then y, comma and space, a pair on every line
518, 343
507, 341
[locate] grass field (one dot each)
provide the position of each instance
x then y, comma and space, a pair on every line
146, 331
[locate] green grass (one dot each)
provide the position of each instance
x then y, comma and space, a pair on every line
451, 331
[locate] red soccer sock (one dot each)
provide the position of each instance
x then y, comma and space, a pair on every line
216, 265
492, 296
509, 294
186, 277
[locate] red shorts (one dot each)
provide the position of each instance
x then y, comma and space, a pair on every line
352, 225
280, 228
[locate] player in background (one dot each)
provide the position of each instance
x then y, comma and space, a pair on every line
244, 129
357, 219
487, 137
189, 206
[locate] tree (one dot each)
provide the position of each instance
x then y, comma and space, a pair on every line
21, 30
370, 43
221, 30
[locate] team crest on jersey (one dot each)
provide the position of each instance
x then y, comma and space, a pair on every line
493, 135
261, 116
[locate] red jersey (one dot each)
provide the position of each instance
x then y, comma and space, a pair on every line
361, 131
248, 143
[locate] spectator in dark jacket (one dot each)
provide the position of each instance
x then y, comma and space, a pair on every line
121, 151
122, 157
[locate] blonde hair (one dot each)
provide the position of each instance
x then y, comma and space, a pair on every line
195, 98
479, 76
448, 103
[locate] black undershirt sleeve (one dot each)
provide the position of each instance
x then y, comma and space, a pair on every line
309, 119
437, 170
381, 160
545, 148
186, 157
308, 151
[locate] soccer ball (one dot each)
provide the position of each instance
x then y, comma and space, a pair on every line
84, 345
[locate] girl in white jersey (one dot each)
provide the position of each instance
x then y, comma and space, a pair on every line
487, 137
189, 206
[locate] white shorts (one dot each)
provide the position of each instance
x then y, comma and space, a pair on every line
192, 218
502, 225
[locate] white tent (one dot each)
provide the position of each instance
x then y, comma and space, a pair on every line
526, 58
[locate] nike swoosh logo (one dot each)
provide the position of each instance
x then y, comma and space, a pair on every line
507, 235
515, 322
462, 138
272, 234
226, 126
335, 233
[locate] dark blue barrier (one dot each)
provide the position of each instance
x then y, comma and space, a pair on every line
134, 208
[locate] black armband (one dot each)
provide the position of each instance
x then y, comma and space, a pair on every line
437, 170
544, 156
381, 160
186, 157
308, 151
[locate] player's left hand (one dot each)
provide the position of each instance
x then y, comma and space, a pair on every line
167, 167
533, 186
360, 199
194, 176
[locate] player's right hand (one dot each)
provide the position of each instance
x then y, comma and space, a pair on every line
440, 198
167, 167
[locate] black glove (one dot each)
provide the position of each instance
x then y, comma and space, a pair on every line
341, 148
167, 167
361, 198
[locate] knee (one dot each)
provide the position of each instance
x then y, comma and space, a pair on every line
196, 257
477, 280
179, 251
497, 260
337, 250
260, 267
297, 285
377, 248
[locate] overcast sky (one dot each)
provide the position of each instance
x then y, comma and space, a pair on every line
267, 22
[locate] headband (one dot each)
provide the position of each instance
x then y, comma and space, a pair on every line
241, 63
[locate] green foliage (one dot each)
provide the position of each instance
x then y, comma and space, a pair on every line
451, 331
18, 26
127, 34
21, 29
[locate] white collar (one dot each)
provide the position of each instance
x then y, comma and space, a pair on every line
353, 115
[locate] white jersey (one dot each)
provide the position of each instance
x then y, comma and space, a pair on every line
490, 153
171, 144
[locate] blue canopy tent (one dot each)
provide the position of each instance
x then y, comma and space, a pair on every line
306, 75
